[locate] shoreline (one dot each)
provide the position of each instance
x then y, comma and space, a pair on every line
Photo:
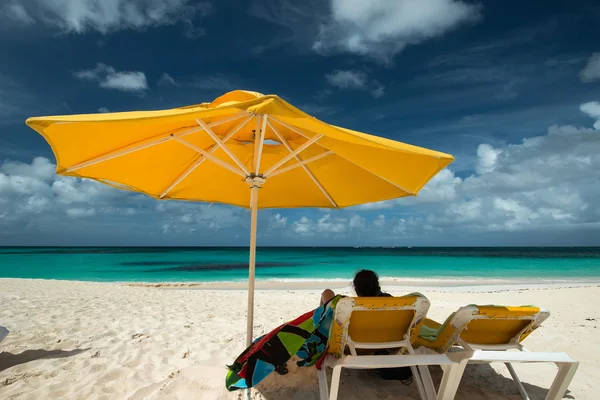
392, 284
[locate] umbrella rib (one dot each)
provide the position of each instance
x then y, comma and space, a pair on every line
300, 164
201, 159
292, 154
230, 119
211, 157
141, 145
117, 185
129, 149
219, 143
304, 167
261, 141
184, 175
350, 161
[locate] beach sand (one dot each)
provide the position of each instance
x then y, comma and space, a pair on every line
87, 340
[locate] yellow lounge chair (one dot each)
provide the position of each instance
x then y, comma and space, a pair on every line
371, 323
484, 334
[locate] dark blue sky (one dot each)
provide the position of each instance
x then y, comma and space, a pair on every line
510, 88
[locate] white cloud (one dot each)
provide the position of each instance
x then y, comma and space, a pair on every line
331, 225
181, 216
218, 83
442, 187
346, 79
355, 80
80, 212
109, 78
326, 224
591, 72
41, 168
377, 89
382, 28
544, 180
27, 190
515, 213
406, 227
303, 226
167, 80
34, 200
592, 109
564, 155
187, 218
278, 221
486, 158
34, 205
18, 12
379, 221
356, 222
379, 205
107, 16
465, 211
541, 184
563, 60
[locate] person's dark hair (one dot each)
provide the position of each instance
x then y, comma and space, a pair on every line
366, 284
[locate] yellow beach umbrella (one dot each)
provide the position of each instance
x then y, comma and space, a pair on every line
245, 149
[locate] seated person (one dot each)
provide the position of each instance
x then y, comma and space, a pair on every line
366, 284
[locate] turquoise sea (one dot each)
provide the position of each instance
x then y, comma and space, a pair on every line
145, 264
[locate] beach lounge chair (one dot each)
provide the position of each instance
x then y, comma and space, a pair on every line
485, 334
371, 323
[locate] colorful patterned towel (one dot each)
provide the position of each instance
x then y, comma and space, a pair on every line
306, 336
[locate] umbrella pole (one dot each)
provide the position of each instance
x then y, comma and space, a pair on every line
252, 266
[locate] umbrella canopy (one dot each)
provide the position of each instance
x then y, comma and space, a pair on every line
225, 151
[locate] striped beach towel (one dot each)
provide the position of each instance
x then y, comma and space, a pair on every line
305, 336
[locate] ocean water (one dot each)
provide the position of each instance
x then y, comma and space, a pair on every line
144, 264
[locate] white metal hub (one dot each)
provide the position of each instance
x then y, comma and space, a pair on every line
254, 180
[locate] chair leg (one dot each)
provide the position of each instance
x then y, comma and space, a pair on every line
323, 389
417, 379
517, 381
335, 382
428, 385
451, 380
561, 382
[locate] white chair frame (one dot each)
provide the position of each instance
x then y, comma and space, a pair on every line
413, 359
512, 352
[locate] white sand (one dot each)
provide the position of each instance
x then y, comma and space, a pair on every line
80, 340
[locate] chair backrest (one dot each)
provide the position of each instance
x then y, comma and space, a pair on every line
377, 320
482, 326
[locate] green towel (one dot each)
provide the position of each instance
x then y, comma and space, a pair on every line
428, 333
431, 334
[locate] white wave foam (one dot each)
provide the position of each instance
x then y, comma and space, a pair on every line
442, 280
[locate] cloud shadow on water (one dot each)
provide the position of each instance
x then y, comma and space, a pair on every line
220, 267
